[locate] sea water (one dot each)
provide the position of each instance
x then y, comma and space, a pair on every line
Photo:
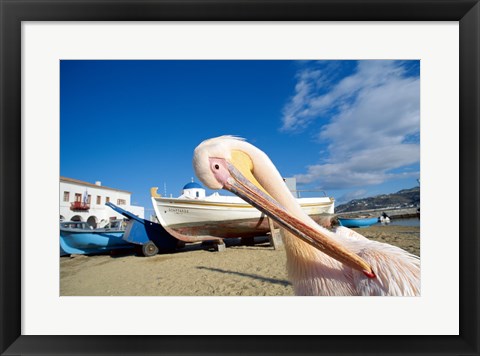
404, 222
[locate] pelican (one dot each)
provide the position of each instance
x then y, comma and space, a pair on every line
319, 261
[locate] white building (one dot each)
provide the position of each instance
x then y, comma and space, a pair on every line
83, 201
193, 190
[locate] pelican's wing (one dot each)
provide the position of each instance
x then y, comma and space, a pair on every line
397, 271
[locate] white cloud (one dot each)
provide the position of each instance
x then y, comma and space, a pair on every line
366, 167
371, 117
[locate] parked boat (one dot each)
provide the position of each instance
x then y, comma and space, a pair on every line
195, 216
357, 221
77, 237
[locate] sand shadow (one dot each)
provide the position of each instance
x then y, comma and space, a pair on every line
248, 275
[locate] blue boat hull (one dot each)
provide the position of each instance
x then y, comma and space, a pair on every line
91, 242
357, 222
140, 231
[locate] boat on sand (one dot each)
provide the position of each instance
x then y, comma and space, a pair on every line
77, 237
357, 221
193, 216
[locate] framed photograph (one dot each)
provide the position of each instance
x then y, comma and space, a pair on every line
65, 68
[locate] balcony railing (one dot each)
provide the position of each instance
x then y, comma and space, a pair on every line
78, 205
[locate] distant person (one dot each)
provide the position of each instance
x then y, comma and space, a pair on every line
384, 218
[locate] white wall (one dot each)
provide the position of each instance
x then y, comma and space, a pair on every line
99, 211
192, 193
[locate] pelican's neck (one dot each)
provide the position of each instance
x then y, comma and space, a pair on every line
270, 179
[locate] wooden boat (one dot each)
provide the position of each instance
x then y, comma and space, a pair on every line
357, 221
77, 237
196, 217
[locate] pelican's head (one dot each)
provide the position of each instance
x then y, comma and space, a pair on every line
231, 163
205, 156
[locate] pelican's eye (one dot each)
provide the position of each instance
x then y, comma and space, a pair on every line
218, 168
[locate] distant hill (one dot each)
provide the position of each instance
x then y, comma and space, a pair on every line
405, 198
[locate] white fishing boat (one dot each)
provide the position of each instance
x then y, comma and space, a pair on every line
195, 216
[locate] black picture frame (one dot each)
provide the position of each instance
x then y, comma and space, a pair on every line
13, 12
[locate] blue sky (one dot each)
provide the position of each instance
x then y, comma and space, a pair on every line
351, 128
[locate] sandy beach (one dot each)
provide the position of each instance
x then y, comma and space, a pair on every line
240, 270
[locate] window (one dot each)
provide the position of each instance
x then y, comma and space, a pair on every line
99, 200
107, 200
66, 196
78, 197
121, 202
89, 199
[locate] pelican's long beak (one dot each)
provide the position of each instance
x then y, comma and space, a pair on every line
243, 183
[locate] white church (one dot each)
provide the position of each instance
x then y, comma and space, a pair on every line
83, 201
